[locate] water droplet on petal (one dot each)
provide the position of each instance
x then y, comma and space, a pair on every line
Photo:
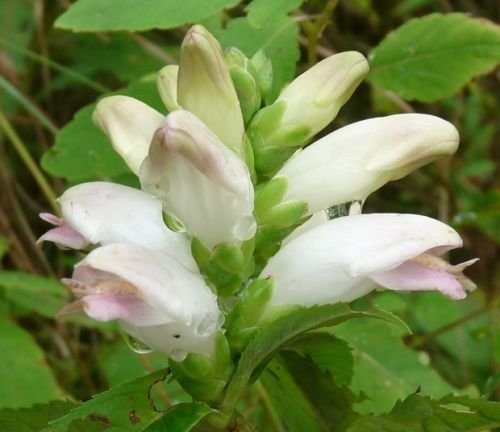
178, 355
245, 228
173, 223
136, 345
207, 326
344, 209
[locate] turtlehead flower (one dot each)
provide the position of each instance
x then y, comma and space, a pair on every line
142, 274
103, 213
154, 297
201, 182
356, 160
196, 150
167, 86
303, 108
130, 125
315, 97
345, 258
205, 88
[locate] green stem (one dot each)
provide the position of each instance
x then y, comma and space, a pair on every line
39, 115
24, 154
56, 66
420, 341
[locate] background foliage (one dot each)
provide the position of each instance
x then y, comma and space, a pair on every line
432, 56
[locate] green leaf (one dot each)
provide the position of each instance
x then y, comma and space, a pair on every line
279, 41
329, 353
83, 152
120, 364
34, 418
261, 12
272, 336
430, 58
302, 397
35, 293
25, 376
422, 414
126, 407
386, 370
181, 418
136, 15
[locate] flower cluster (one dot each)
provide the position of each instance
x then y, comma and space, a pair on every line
236, 217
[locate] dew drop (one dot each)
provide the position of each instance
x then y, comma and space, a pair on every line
173, 223
136, 345
178, 355
344, 209
245, 228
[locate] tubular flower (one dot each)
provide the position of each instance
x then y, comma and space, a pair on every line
186, 160
155, 298
354, 161
103, 213
345, 258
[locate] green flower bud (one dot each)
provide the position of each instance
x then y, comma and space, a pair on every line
264, 69
167, 86
284, 215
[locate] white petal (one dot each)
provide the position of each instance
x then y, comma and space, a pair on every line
167, 86
315, 97
206, 89
354, 161
130, 125
189, 309
107, 213
201, 182
333, 261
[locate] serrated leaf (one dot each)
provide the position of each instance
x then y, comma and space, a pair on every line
126, 407
34, 418
33, 292
274, 335
260, 12
23, 364
385, 369
432, 57
181, 418
82, 152
279, 41
422, 414
329, 353
137, 15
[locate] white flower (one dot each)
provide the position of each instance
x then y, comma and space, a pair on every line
345, 258
315, 97
354, 161
103, 213
155, 298
201, 181
130, 125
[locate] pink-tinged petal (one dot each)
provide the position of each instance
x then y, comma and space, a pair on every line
107, 307
51, 218
64, 236
106, 213
412, 276
201, 182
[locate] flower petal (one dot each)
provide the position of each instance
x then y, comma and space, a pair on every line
156, 299
354, 161
335, 261
167, 86
105, 213
130, 125
315, 97
205, 87
201, 181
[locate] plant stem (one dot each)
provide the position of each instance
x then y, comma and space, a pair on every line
32, 108
24, 154
63, 69
420, 341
